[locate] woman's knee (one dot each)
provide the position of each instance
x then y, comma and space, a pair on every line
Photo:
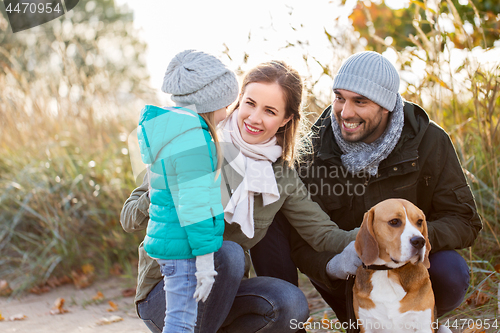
266, 304
289, 306
230, 261
294, 303
152, 309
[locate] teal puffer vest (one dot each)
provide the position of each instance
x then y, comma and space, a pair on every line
186, 214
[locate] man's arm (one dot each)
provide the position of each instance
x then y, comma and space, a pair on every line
135, 215
453, 221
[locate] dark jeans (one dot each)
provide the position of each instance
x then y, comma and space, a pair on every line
449, 272
261, 304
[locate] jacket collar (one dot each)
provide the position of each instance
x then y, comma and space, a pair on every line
416, 123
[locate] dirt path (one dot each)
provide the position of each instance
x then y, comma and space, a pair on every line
84, 313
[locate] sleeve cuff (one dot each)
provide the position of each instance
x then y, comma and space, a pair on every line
143, 204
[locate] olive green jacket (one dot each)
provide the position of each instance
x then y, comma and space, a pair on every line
306, 216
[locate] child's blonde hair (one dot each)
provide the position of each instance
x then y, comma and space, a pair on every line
209, 118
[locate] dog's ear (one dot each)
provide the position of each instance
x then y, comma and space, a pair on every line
366, 245
425, 233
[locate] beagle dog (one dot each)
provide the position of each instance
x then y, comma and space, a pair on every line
392, 291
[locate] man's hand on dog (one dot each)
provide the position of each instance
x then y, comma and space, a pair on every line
344, 264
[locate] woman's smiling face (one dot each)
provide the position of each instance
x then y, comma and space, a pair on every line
261, 112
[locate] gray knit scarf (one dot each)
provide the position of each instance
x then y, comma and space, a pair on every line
360, 156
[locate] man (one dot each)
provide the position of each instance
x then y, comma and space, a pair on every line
368, 146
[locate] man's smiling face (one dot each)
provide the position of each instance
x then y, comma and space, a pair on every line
359, 118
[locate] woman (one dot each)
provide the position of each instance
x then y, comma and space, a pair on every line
258, 182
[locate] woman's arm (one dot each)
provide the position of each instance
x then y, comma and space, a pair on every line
310, 221
135, 212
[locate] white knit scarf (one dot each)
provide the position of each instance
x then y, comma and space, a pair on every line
360, 156
254, 164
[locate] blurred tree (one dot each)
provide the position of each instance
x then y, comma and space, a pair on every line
86, 59
67, 92
479, 20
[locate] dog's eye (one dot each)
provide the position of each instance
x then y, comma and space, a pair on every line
395, 222
419, 222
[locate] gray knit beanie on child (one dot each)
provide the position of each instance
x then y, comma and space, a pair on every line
371, 75
195, 77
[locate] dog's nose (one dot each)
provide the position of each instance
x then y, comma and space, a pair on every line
417, 242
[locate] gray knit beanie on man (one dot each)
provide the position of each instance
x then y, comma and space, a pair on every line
195, 77
371, 75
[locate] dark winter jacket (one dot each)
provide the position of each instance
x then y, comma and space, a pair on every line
423, 168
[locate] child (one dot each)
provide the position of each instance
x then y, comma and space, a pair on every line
186, 215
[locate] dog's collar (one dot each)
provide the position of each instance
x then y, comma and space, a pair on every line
378, 267
381, 267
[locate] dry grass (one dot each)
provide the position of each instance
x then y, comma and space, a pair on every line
64, 118
65, 172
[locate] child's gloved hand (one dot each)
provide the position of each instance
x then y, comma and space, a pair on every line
344, 264
205, 276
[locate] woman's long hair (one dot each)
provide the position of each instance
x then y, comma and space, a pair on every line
291, 84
